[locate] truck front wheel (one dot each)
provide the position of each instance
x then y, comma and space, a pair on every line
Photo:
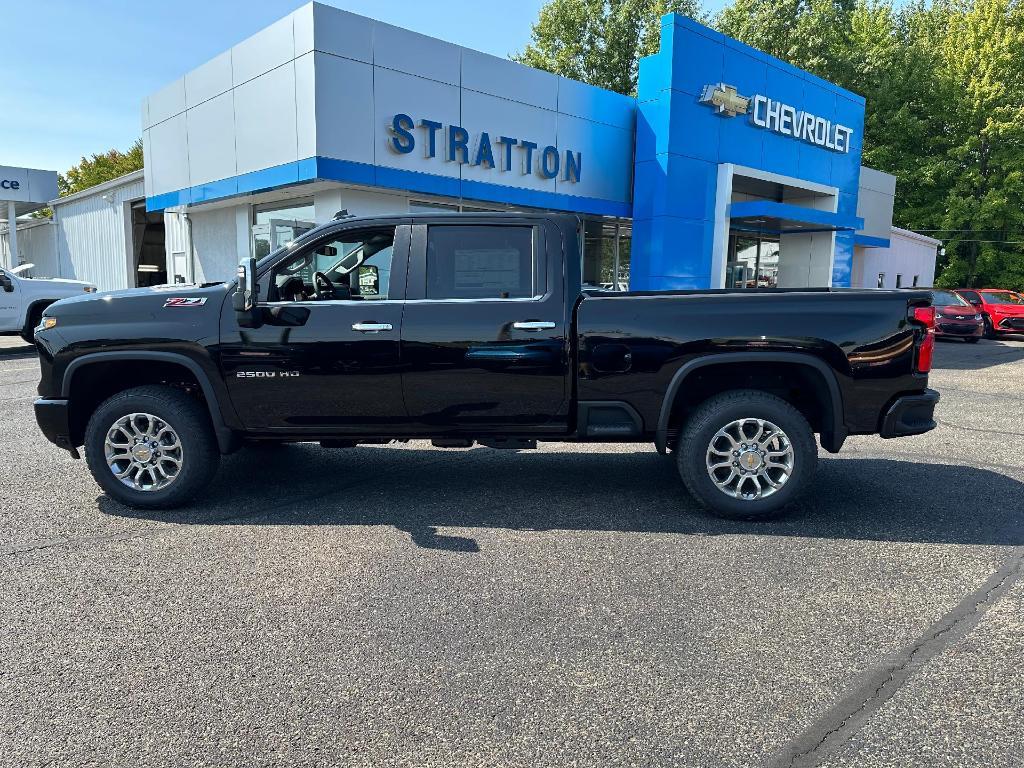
151, 447
746, 454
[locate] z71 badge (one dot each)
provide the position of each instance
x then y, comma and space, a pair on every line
185, 301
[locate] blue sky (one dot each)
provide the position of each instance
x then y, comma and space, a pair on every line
74, 73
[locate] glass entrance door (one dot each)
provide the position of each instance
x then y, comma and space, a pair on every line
753, 261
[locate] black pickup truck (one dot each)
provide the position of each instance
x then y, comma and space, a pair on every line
462, 327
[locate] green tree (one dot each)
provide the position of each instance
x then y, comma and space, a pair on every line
99, 168
95, 170
600, 41
982, 66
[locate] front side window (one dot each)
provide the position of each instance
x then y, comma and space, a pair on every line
349, 266
482, 262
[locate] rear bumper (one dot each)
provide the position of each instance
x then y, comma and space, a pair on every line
910, 415
53, 417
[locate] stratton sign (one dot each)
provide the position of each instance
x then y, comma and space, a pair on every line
778, 117
506, 153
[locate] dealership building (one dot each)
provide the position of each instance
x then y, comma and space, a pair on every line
730, 169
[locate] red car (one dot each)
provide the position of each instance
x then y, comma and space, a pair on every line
955, 318
1002, 310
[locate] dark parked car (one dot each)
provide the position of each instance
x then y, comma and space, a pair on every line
955, 318
462, 328
1002, 310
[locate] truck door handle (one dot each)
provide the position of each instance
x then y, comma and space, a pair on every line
533, 325
371, 327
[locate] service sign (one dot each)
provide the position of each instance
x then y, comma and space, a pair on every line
772, 115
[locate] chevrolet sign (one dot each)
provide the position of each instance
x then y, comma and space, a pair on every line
778, 117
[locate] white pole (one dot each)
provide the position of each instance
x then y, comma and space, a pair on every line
12, 233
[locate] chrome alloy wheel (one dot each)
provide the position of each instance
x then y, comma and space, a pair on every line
143, 451
750, 459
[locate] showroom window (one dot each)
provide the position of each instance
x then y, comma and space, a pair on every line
899, 280
274, 225
881, 280
606, 252
468, 262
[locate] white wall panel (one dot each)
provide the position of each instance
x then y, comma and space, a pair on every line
600, 146
211, 156
91, 237
497, 116
214, 244
305, 105
265, 120
507, 79
338, 32
596, 104
413, 53
167, 102
908, 254
396, 92
169, 158
211, 79
266, 50
37, 244
341, 131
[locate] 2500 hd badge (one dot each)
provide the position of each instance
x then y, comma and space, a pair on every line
469, 328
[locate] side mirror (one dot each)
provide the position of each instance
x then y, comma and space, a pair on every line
246, 294
6, 282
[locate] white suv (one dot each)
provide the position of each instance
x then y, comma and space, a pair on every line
23, 299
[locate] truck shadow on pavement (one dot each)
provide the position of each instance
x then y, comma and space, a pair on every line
422, 491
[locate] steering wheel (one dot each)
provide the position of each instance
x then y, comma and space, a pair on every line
323, 288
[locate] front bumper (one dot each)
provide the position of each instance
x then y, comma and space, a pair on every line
959, 328
53, 417
1011, 325
910, 415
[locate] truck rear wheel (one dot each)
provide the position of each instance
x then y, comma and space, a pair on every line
151, 447
746, 454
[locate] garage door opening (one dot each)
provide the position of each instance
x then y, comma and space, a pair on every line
149, 256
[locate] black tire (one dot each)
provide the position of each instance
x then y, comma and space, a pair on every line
34, 317
720, 411
185, 415
972, 339
990, 332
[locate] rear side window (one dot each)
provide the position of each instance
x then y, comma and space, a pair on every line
482, 262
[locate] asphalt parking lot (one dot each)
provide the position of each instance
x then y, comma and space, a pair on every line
414, 606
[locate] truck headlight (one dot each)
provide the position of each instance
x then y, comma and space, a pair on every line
977, 317
90, 289
46, 323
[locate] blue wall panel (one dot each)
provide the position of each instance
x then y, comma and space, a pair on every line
681, 142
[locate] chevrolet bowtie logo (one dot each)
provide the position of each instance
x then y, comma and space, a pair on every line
724, 98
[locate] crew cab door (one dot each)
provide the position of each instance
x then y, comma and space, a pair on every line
484, 339
325, 357
11, 301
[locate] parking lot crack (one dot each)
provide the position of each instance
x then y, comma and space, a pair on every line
848, 715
